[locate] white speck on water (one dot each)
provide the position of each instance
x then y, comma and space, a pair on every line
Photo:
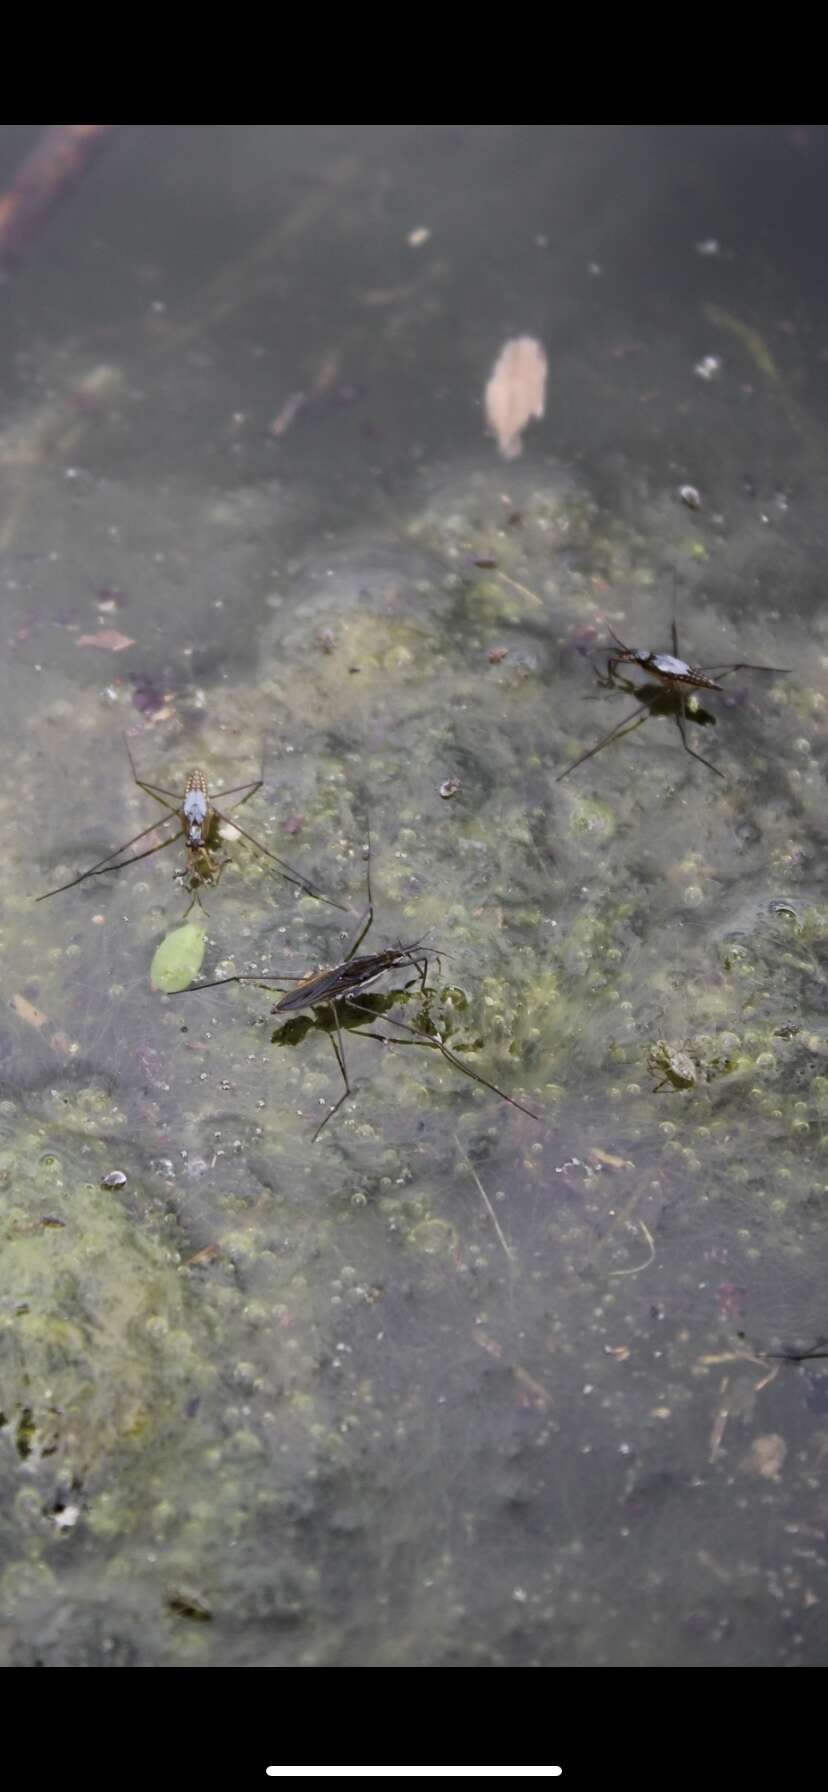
67, 1518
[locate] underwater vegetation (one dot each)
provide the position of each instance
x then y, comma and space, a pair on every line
586, 960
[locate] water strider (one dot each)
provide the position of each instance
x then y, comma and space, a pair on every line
199, 821
675, 676
812, 1354
333, 991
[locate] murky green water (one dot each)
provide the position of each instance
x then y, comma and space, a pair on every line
450, 1386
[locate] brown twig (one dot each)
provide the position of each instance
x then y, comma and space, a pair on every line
720, 1420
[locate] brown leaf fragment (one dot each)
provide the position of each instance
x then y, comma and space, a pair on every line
34, 1017
720, 1421
326, 376
288, 413
534, 1390
516, 392
110, 640
766, 1456
48, 172
207, 1254
608, 1160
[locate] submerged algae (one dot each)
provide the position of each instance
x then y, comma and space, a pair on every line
97, 1346
310, 1332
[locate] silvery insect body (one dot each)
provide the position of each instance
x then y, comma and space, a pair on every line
199, 821
675, 675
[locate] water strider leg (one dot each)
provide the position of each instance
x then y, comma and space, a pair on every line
801, 1356
235, 788
745, 666
216, 877
274, 980
251, 788
612, 681
101, 870
617, 659
339, 1054
195, 898
366, 920
681, 718
160, 792
437, 1045
286, 871
338, 1044
626, 726
104, 864
155, 790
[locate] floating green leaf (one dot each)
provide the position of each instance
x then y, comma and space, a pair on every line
178, 958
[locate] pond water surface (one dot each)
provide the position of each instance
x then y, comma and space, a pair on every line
453, 1385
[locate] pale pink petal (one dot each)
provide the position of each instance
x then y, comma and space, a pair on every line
516, 392
110, 639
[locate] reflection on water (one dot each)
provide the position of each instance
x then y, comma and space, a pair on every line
451, 1384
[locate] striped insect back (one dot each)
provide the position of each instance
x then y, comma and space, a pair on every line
666, 667
195, 810
675, 671
351, 977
